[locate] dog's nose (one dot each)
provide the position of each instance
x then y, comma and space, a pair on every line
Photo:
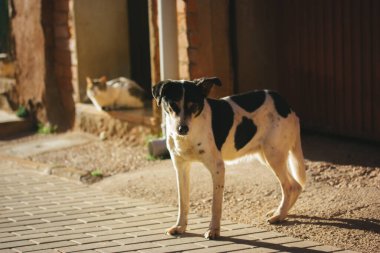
183, 129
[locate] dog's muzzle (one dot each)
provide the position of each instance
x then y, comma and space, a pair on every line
183, 129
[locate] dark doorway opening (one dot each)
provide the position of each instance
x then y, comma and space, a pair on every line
138, 20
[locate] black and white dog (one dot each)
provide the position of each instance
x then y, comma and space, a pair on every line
211, 131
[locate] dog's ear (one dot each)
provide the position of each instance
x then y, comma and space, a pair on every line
157, 91
206, 84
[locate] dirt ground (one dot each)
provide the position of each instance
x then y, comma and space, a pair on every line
340, 205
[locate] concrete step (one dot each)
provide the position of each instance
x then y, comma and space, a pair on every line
11, 125
116, 123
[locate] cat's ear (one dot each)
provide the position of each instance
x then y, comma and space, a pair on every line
157, 91
102, 79
206, 84
90, 84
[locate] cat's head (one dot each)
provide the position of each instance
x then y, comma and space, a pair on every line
97, 83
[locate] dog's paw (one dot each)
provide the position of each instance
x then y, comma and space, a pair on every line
276, 218
212, 234
270, 213
176, 230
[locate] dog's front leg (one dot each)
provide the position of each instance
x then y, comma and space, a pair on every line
182, 169
217, 173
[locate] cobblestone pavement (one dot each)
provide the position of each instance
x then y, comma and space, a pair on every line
44, 213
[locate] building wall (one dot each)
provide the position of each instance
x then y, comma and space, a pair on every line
208, 42
43, 64
323, 56
101, 33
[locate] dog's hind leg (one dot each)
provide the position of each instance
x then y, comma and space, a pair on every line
182, 169
217, 170
277, 160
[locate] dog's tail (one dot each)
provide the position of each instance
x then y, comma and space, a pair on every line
296, 162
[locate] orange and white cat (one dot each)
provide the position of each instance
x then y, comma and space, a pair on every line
115, 94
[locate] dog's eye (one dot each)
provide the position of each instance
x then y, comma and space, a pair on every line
174, 107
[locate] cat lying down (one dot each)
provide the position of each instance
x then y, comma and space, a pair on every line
118, 93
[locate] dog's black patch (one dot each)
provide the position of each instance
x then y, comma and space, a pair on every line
172, 92
249, 101
194, 99
222, 120
282, 107
244, 132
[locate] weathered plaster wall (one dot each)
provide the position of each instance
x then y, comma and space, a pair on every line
30, 51
102, 40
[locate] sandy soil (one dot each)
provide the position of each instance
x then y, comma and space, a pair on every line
340, 205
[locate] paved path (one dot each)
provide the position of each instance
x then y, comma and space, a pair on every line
42, 213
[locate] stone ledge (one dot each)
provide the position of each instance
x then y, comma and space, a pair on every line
113, 123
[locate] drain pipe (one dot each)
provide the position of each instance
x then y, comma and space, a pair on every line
168, 40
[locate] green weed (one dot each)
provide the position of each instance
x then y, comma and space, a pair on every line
97, 173
46, 128
22, 112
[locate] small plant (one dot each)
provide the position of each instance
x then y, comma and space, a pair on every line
46, 128
97, 173
22, 112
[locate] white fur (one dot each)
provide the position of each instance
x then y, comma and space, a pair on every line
276, 143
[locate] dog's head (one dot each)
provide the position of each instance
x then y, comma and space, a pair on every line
183, 100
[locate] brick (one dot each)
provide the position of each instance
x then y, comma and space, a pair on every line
114, 231
61, 18
41, 230
267, 235
44, 251
61, 5
104, 224
260, 250
175, 248
67, 217
7, 251
234, 226
46, 216
181, 240
23, 237
225, 248
103, 238
88, 230
56, 224
91, 210
132, 224
51, 210
281, 240
134, 247
15, 229
150, 238
104, 218
149, 232
213, 243
89, 246
45, 246
51, 239
5, 234
162, 226
14, 244
160, 217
